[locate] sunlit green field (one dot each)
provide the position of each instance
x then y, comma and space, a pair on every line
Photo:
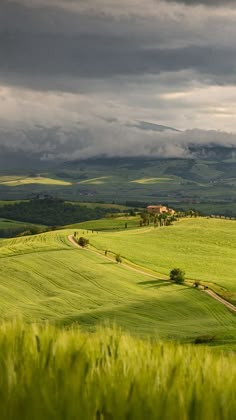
57, 374
96, 181
15, 181
204, 248
44, 277
108, 224
153, 180
67, 365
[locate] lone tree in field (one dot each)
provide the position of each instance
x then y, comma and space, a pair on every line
177, 275
83, 241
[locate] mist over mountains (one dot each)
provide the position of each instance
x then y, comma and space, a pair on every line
23, 146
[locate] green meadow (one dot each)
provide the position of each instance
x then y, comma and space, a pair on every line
108, 224
96, 181
11, 228
44, 277
11, 224
15, 181
153, 180
82, 337
204, 248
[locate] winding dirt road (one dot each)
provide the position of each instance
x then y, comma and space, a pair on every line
221, 300
157, 276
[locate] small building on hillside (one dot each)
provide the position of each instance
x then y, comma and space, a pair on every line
159, 209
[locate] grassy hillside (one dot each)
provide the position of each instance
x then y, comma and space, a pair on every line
51, 374
204, 248
15, 181
45, 278
11, 228
108, 224
10, 224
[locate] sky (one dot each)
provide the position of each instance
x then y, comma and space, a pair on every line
84, 78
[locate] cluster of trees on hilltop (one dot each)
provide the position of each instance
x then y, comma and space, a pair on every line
52, 212
163, 219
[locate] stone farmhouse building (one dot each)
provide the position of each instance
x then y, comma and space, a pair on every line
154, 209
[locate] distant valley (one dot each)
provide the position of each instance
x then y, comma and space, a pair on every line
205, 182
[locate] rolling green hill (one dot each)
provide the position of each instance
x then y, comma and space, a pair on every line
108, 224
11, 228
11, 224
204, 248
44, 277
15, 181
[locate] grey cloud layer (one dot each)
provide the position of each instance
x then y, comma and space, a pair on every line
126, 55
108, 140
42, 46
26, 60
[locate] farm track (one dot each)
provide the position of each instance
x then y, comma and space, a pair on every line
221, 300
71, 239
209, 292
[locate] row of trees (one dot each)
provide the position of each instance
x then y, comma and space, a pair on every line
163, 219
84, 242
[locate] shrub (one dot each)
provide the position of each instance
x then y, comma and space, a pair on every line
118, 258
204, 339
177, 275
83, 241
197, 283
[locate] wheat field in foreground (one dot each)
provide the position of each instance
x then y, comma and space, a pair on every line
50, 373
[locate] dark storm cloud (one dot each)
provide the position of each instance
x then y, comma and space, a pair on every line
44, 47
43, 60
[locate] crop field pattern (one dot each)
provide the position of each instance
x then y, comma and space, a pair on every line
43, 277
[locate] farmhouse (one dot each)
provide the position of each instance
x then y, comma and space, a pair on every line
159, 209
